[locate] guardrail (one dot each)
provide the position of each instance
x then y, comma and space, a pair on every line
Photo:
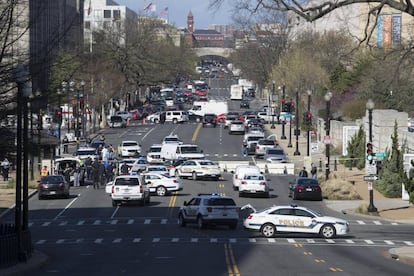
10, 253
271, 168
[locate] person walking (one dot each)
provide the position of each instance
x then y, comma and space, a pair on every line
76, 176
95, 173
5, 166
124, 169
101, 173
109, 172
44, 171
314, 171
303, 173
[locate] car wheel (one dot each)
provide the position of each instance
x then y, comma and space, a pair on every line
155, 121
230, 132
328, 231
200, 222
194, 176
234, 188
181, 220
161, 191
114, 203
268, 230
174, 121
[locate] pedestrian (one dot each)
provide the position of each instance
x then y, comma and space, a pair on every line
67, 172
105, 154
95, 173
163, 117
303, 173
314, 171
44, 171
102, 175
88, 167
5, 166
124, 169
65, 144
109, 172
76, 176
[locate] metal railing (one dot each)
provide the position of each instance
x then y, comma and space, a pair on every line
10, 251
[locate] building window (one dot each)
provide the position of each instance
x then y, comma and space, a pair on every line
117, 14
107, 13
88, 25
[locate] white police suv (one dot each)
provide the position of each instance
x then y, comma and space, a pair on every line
294, 219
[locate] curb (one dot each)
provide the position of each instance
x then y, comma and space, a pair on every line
37, 260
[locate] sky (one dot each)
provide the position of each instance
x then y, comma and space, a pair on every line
179, 9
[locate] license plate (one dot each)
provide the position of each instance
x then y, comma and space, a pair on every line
252, 191
309, 189
52, 192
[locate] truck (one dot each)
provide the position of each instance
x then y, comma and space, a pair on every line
175, 151
201, 108
236, 92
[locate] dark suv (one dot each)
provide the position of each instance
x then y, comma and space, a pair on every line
210, 120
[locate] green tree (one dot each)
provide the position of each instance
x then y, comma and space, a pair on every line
392, 174
356, 150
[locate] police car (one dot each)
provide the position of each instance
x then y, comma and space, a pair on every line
294, 219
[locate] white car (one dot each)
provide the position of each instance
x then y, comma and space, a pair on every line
171, 139
124, 114
85, 152
239, 173
294, 219
129, 149
254, 184
129, 188
198, 169
154, 117
236, 126
162, 184
154, 154
157, 169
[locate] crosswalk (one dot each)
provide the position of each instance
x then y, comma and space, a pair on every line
236, 240
160, 221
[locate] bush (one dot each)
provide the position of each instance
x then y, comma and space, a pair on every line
339, 189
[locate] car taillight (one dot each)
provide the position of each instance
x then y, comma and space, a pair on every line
249, 216
141, 189
236, 176
113, 189
209, 209
41, 185
299, 188
263, 183
243, 182
257, 147
61, 184
175, 181
317, 188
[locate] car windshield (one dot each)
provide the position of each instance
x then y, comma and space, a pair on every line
275, 152
308, 182
267, 142
117, 119
207, 163
220, 202
171, 139
126, 182
237, 123
157, 149
51, 179
130, 144
254, 138
190, 149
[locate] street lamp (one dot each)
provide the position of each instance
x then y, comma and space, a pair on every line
64, 85
297, 131
283, 137
82, 109
309, 92
289, 145
327, 139
273, 106
370, 106
59, 93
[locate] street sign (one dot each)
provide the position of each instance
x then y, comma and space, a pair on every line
370, 178
381, 155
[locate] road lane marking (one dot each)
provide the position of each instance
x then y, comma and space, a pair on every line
195, 134
98, 240
147, 221
369, 241
80, 222
377, 222
97, 222
360, 222
408, 243
389, 242
117, 240
143, 137
136, 240
67, 206
47, 223
232, 268
130, 221
114, 213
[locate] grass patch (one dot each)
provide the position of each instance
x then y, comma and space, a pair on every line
339, 189
362, 209
11, 184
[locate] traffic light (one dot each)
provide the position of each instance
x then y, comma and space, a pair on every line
370, 153
307, 118
81, 103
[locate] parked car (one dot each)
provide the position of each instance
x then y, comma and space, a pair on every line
294, 219
53, 186
117, 121
124, 114
209, 120
253, 184
209, 209
161, 169
162, 184
129, 188
275, 155
198, 169
129, 149
305, 188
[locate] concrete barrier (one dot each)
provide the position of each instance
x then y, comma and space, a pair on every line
268, 168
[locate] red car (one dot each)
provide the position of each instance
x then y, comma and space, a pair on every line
201, 92
188, 92
221, 118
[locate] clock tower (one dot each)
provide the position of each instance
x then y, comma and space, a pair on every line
190, 22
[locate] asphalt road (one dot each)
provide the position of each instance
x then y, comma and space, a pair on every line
85, 235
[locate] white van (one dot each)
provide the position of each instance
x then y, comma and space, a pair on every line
241, 171
176, 116
181, 151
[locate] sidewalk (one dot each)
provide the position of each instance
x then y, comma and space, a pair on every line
394, 209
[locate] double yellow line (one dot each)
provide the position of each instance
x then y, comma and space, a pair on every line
196, 131
171, 204
232, 268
